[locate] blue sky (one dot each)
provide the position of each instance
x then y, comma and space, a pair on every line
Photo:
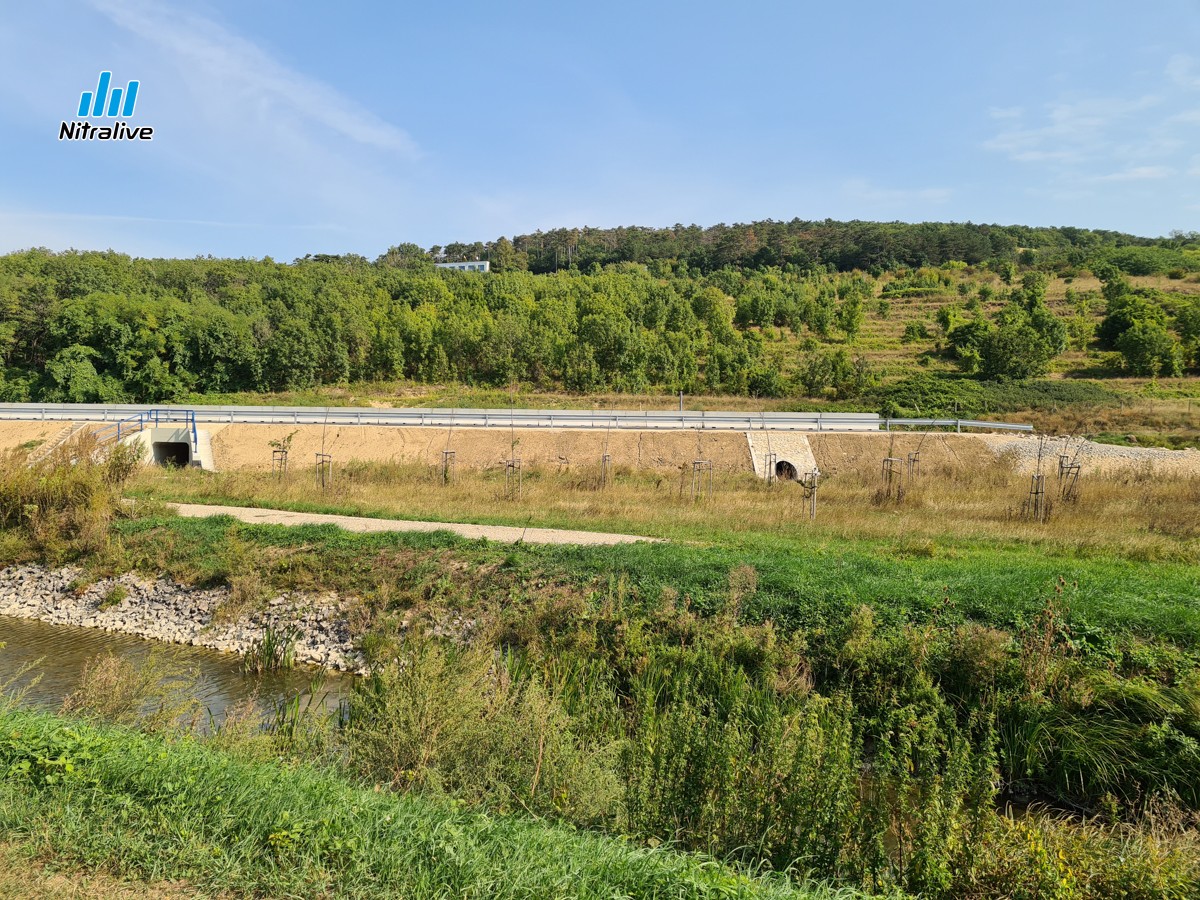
284, 128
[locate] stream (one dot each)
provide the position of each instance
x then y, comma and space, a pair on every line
59, 653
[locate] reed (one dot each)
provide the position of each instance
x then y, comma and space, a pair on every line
274, 651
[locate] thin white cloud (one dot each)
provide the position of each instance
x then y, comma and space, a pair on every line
1006, 112
1182, 70
861, 189
1190, 117
146, 236
211, 54
1071, 132
1139, 173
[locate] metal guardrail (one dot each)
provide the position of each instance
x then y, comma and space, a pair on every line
956, 424
653, 420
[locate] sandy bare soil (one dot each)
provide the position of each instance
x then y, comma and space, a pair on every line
864, 453
21, 879
246, 446
502, 533
14, 434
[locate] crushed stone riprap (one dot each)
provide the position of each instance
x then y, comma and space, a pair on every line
1025, 449
162, 610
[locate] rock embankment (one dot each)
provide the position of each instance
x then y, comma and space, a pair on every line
165, 611
1025, 451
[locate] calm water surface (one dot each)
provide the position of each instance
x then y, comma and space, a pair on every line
60, 652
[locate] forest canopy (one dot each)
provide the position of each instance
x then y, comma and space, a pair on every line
629, 309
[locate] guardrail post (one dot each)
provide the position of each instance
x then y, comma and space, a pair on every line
958, 425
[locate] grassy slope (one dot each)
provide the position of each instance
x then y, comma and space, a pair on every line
151, 810
1126, 549
809, 584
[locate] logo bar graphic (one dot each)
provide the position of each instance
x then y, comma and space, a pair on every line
92, 104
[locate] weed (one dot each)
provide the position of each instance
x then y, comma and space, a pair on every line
156, 693
159, 809
274, 651
114, 596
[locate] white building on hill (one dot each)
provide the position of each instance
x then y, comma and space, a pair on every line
474, 265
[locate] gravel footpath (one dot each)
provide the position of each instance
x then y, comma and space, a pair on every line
502, 533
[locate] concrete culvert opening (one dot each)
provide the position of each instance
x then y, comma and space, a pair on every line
172, 453
785, 471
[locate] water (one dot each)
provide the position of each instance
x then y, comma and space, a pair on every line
60, 652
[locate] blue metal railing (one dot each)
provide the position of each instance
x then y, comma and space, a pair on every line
151, 417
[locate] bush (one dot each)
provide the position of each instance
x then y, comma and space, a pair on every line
944, 395
454, 721
156, 693
149, 808
914, 331
1040, 856
66, 499
1149, 349
1014, 353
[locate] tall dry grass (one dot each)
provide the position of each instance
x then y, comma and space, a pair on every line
65, 499
1137, 514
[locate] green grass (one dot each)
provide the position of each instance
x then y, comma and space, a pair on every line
150, 809
1143, 439
801, 583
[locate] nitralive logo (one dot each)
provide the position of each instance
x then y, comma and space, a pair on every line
106, 102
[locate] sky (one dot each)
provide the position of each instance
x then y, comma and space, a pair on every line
286, 127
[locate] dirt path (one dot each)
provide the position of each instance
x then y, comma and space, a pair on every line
505, 534
24, 879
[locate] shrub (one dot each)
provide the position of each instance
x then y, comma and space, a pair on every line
1014, 353
156, 693
1149, 349
717, 763
914, 331
454, 721
65, 500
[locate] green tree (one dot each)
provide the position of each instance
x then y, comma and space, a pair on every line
72, 378
404, 256
1149, 349
967, 341
506, 258
850, 316
1014, 352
